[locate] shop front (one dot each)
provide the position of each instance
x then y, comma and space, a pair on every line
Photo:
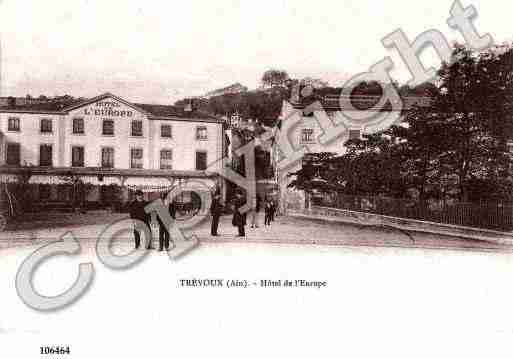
39, 188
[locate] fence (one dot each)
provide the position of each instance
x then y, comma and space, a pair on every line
496, 216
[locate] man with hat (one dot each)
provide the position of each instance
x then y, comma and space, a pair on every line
137, 212
164, 235
216, 209
239, 218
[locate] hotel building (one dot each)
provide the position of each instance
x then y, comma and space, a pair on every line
109, 141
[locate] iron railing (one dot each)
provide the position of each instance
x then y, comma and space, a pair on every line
488, 215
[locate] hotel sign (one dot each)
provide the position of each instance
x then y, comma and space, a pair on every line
108, 109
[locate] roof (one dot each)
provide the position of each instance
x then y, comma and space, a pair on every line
338, 103
168, 112
153, 111
44, 107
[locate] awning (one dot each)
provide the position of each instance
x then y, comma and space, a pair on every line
149, 184
106, 180
41, 179
8, 178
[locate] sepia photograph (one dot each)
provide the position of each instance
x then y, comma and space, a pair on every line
273, 179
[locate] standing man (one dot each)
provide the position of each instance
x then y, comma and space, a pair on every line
272, 210
163, 232
137, 212
267, 211
239, 218
216, 209
172, 208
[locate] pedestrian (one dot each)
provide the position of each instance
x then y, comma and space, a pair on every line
272, 210
254, 212
164, 235
239, 218
137, 212
267, 211
172, 208
216, 210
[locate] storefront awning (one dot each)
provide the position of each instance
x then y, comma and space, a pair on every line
8, 178
149, 184
105, 181
42, 179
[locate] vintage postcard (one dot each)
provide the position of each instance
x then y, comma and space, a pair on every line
272, 179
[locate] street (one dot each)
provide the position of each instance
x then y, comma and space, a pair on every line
397, 296
285, 230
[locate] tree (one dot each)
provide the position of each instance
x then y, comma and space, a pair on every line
314, 173
474, 107
275, 78
454, 149
313, 82
371, 166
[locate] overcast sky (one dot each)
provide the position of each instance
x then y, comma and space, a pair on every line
161, 51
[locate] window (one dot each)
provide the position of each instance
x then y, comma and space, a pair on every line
46, 125
13, 154
78, 125
201, 161
307, 135
137, 128
354, 134
165, 131
13, 124
77, 156
107, 157
166, 159
108, 128
201, 133
136, 158
45, 155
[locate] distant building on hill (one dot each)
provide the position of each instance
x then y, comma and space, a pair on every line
232, 89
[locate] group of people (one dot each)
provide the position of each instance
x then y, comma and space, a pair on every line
239, 218
138, 212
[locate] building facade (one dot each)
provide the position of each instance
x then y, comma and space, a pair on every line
311, 123
110, 141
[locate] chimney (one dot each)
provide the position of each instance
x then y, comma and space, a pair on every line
188, 106
195, 104
11, 102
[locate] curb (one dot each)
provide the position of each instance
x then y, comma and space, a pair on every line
375, 220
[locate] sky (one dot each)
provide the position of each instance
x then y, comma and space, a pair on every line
162, 51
